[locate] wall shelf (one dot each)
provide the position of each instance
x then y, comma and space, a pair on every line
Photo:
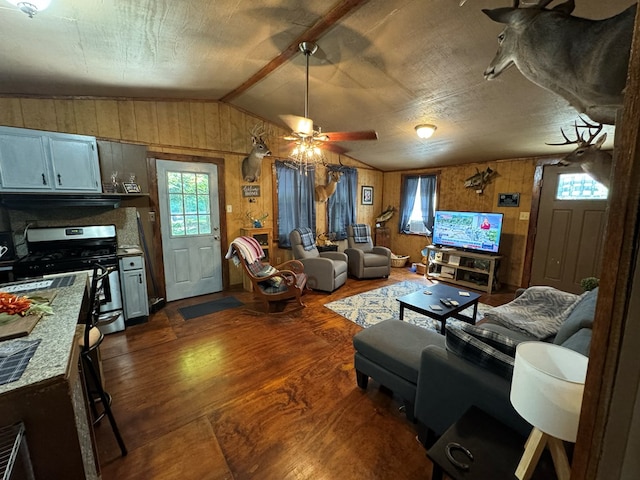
22, 201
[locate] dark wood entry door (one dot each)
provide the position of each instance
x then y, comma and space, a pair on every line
569, 236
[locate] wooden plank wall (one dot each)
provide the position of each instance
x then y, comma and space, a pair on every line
513, 176
188, 127
213, 129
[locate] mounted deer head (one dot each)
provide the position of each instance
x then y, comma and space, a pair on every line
593, 161
252, 165
323, 192
584, 61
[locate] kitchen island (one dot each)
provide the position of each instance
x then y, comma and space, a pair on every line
49, 397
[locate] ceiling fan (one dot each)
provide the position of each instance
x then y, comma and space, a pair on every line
304, 133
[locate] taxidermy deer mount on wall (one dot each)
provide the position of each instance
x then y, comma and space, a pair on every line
252, 165
323, 192
593, 161
584, 61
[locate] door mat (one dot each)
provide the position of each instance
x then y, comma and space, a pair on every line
195, 311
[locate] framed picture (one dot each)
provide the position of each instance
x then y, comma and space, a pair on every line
367, 195
131, 187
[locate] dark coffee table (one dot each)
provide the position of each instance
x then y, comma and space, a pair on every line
422, 303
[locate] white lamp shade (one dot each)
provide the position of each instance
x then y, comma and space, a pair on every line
547, 387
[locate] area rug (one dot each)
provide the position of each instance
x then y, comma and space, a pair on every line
201, 309
374, 306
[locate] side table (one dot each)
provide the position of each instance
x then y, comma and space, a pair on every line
496, 450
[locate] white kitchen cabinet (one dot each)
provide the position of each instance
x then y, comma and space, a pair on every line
37, 161
133, 282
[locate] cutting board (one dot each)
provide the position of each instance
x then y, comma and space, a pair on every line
22, 326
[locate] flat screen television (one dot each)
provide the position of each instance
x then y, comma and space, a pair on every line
471, 231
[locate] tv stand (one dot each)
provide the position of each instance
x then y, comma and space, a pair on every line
478, 271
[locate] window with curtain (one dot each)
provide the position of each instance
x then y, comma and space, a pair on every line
341, 207
296, 203
418, 204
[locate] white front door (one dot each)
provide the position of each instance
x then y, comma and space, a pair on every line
190, 226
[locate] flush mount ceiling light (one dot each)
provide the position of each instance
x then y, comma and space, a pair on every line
32, 6
425, 130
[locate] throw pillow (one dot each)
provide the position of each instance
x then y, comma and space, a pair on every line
539, 311
580, 316
476, 351
275, 282
496, 340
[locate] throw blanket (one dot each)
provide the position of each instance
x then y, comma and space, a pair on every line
246, 247
360, 233
306, 236
539, 311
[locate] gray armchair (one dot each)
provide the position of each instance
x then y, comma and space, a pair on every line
325, 271
365, 260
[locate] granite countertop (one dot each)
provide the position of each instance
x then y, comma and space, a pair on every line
129, 251
57, 332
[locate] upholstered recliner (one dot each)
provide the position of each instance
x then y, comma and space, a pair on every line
365, 260
325, 271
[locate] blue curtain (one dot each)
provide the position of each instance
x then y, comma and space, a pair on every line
427, 200
341, 209
296, 204
409, 192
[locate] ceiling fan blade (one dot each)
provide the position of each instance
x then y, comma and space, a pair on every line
350, 136
333, 148
299, 125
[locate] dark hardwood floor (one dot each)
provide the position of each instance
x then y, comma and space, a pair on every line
237, 396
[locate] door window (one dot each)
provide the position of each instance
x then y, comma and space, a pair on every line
189, 206
580, 186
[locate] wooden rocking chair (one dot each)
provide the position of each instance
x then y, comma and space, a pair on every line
271, 285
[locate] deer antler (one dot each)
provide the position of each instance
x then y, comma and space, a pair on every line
579, 137
257, 130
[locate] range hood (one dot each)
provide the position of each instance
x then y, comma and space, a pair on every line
29, 201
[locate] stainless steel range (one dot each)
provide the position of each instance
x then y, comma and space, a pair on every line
54, 250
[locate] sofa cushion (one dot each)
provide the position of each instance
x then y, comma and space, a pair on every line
580, 316
504, 343
580, 341
476, 351
502, 330
539, 311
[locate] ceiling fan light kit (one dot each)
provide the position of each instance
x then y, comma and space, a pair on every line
31, 7
425, 130
310, 141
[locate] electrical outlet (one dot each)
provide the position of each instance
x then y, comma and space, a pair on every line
152, 216
524, 215
229, 209
278, 260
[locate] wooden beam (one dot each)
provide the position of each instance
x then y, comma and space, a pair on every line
324, 23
